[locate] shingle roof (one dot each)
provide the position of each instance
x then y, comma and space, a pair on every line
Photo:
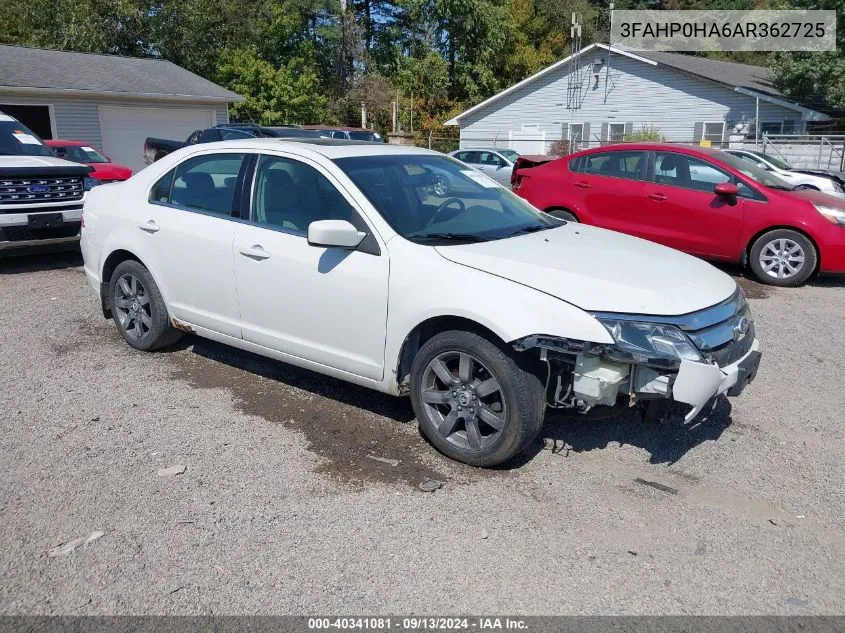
730, 73
22, 67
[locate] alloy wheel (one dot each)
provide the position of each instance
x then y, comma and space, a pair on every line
463, 400
782, 258
132, 304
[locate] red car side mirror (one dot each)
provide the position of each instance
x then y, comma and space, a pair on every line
726, 190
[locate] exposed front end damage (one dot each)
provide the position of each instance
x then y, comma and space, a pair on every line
690, 358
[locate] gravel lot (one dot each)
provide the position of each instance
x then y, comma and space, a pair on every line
281, 511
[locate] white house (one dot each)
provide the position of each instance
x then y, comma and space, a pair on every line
113, 103
603, 93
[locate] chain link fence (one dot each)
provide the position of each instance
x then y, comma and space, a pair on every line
823, 152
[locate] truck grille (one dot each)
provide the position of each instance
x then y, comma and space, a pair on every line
24, 234
23, 190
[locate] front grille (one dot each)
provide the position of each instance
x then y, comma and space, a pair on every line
24, 234
723, 333
25, 189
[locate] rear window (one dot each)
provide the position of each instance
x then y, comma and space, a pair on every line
18, 140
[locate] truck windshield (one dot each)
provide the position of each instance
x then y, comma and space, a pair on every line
18, 140
438, 200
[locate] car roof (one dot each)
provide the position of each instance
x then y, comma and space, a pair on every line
683, 148
481, 149
339, 128
330, 148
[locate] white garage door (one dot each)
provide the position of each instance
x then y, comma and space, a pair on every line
124, 129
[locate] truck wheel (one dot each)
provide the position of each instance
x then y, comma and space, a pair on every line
472, 399
783, 257
138, 308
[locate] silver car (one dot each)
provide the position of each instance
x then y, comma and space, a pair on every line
497, 163
798, 178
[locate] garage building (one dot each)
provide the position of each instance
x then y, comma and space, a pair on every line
113, 103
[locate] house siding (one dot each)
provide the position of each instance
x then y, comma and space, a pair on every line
78, 119
638, 94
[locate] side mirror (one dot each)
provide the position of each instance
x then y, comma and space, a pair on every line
763, 166
334, 233
726, 189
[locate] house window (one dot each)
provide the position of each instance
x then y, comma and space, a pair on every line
616, 132
771, 127
576, 133
714, 132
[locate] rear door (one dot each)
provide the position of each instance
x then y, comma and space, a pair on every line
608, 189
683, 212
187, 228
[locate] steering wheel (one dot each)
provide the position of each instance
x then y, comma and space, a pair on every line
442, 208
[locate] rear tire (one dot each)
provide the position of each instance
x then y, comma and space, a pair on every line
138, 308
563, 214
473, 400
783, 257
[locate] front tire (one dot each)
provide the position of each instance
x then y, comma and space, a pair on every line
138, 308
783, 257
563, 214
472, 399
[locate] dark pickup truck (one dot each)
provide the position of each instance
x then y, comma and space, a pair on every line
156, 148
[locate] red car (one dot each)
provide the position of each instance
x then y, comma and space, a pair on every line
698, 200
79, 152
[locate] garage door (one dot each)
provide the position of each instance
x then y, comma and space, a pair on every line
124, 129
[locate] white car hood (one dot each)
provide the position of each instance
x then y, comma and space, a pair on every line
600, 270
38, 162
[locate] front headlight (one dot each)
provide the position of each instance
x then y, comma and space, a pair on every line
832, 214
89, 183
648, 343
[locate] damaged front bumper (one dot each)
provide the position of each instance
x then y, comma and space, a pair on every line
698, 383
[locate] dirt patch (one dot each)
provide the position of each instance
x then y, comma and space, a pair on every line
753, 289
344, 424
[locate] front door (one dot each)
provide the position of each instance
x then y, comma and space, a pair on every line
683, 212
326, 305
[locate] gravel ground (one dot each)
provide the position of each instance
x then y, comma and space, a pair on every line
280, 509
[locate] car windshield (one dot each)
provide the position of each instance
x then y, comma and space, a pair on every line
81, 154
18, 140
752, 171
509, 154
435, 199
780, 164
365, 136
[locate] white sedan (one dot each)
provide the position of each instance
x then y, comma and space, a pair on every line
402, 270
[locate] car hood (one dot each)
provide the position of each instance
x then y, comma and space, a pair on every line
600, 270
818, 197
38, 162
109, 171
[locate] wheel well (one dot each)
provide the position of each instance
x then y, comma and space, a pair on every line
426, 330
768, 229
114, 259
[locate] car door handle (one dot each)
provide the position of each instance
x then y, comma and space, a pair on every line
658, 196
582, 185
254, 252
149, 226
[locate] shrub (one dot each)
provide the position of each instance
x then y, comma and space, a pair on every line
645, 133
560, 148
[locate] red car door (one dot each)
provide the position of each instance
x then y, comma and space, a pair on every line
681, 209
608, 189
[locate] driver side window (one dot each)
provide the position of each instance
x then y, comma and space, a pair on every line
289, 195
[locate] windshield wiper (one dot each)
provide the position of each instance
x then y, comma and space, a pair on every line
457, 237
529, 229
